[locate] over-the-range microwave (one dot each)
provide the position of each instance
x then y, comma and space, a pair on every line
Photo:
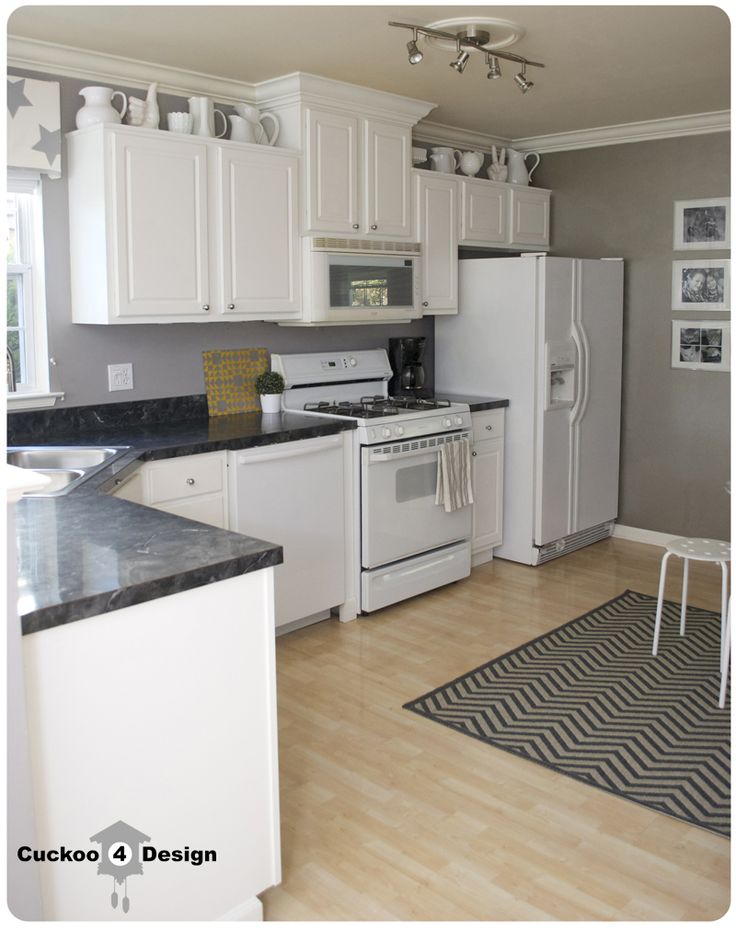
360, 281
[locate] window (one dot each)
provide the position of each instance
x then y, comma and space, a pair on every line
28, 375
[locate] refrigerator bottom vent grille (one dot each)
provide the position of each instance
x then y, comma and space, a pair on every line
571, 543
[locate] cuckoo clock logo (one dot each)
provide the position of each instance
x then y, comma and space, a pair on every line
120, 857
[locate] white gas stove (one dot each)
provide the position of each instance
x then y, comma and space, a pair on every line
405, 543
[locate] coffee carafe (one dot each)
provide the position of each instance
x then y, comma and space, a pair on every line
406, 354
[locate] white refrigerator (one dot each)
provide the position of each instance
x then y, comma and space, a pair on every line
546, 332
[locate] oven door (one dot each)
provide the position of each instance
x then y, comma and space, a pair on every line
399, 517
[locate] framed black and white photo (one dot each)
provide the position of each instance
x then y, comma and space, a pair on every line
701, 344
702, 224
701, 284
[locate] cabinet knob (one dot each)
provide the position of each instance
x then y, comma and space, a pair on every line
489, 428
190, 480
373, 226
206, 308
356, 225
474, 453
231, 306
425, 303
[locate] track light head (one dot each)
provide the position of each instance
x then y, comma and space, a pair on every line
460, 62
415, 56
521, 80
494, 68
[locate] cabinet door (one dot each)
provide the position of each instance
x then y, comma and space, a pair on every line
436, 207
484, 213
331, 173
259, 248
160, 229
487, 462
529, 216
387, 173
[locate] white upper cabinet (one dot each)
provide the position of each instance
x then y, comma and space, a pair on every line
435, 201
357, 176
386, 163
332, 194
503, 216
259, 235
165, 228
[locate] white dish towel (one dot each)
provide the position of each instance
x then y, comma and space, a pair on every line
454, 485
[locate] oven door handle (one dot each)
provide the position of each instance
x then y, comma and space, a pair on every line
378, 458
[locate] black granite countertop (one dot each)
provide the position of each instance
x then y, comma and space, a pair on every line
476, 403
87, 553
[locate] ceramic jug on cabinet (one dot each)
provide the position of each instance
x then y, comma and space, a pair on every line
516, 162
470, 163
444, 159
255, 118
98, 106
203, 117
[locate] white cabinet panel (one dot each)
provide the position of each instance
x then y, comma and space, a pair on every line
387, 160
529, 216
484, 206
332, 172
487, 462
436, 224
259, 246
161, 234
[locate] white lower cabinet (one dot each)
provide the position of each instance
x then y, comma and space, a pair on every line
192, 486
293, 494
487, 477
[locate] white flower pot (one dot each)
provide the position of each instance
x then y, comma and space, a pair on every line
271, 403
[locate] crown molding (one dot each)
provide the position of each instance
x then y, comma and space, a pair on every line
64, 60
696, 124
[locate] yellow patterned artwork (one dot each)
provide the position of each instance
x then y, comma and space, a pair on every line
230, 379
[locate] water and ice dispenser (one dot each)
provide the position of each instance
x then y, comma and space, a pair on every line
561, 360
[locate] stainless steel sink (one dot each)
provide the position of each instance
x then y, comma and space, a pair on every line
40, 457
66, 466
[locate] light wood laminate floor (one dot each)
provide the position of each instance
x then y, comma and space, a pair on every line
387, 816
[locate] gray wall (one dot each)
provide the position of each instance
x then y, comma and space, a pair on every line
166, 358
618, 201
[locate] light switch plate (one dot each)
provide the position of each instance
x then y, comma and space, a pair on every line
120, 377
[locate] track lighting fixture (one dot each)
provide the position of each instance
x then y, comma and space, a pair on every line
494, 68
415, 56
473, 36
521, 80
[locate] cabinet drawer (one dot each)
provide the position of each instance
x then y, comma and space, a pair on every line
186, 477
208, 508
487, 424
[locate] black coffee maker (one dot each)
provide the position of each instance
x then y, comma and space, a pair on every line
405, 354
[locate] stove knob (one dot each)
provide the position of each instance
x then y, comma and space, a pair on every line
447, 422
399, 430
386, 432
458, 421
353, 361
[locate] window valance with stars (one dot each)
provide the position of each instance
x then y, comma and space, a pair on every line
34, 125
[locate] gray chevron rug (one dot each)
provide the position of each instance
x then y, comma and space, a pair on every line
588, 699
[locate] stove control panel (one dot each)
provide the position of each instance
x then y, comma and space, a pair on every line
409, 428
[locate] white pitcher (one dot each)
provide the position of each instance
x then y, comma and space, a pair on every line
444, 159
203, 117
98, 106
253, 116
516, 161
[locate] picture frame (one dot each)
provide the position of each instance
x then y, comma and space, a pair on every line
702, 224
701, 345
701, 284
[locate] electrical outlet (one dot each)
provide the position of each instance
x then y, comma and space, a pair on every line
120, 377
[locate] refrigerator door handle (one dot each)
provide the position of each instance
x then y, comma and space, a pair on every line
583, 379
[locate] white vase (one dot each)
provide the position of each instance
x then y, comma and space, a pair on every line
271, 403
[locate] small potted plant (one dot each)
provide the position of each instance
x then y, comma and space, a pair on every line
270, 385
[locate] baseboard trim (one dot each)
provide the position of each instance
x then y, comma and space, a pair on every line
252, 909
635, 534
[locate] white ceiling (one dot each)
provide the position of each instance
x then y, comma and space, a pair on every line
605, 65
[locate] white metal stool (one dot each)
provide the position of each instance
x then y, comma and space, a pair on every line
699, 550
